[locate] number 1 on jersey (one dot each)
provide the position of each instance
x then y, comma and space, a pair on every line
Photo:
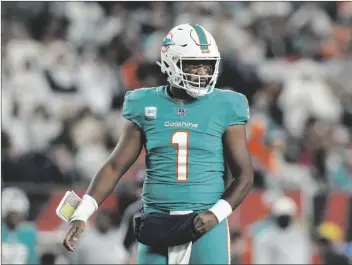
180, 140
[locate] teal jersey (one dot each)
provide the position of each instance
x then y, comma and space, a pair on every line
184, 149
19, 246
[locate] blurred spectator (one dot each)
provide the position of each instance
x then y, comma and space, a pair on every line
306, 95
9, 168
96, 81
43, 128
273, 238
65, 163
84, 19
101, 244
237, 247
19, 239
329, 255
328, 241
88, 136
341, 176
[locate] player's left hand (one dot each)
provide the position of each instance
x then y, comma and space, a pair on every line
205, 221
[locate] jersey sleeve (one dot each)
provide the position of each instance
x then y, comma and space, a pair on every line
132, 108
239, 112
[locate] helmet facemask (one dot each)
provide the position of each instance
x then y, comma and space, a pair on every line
195, 85
198, 85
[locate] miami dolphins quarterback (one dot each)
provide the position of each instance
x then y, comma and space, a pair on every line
190, 130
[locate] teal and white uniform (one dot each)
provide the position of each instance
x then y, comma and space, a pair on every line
184, 149
19, 246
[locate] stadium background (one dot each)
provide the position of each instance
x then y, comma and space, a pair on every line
67, 65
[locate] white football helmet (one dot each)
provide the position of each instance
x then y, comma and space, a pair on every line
15, 200
189, 42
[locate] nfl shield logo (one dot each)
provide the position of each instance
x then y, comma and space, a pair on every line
150, 113
181, 112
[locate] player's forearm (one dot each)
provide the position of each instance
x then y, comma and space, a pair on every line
105, 181
238, 156
233, 196
238, 190
121, 159
101, 187
124, 155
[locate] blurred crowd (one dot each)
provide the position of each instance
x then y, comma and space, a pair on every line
67, 65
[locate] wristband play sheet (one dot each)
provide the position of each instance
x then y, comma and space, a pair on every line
68, 205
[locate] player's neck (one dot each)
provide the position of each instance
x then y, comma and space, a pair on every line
179, 94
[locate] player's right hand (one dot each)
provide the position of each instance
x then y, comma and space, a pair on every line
73, 233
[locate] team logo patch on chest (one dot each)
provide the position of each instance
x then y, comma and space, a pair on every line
181, 112
150, 113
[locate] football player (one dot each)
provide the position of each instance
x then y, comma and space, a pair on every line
187, 128
19, 238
